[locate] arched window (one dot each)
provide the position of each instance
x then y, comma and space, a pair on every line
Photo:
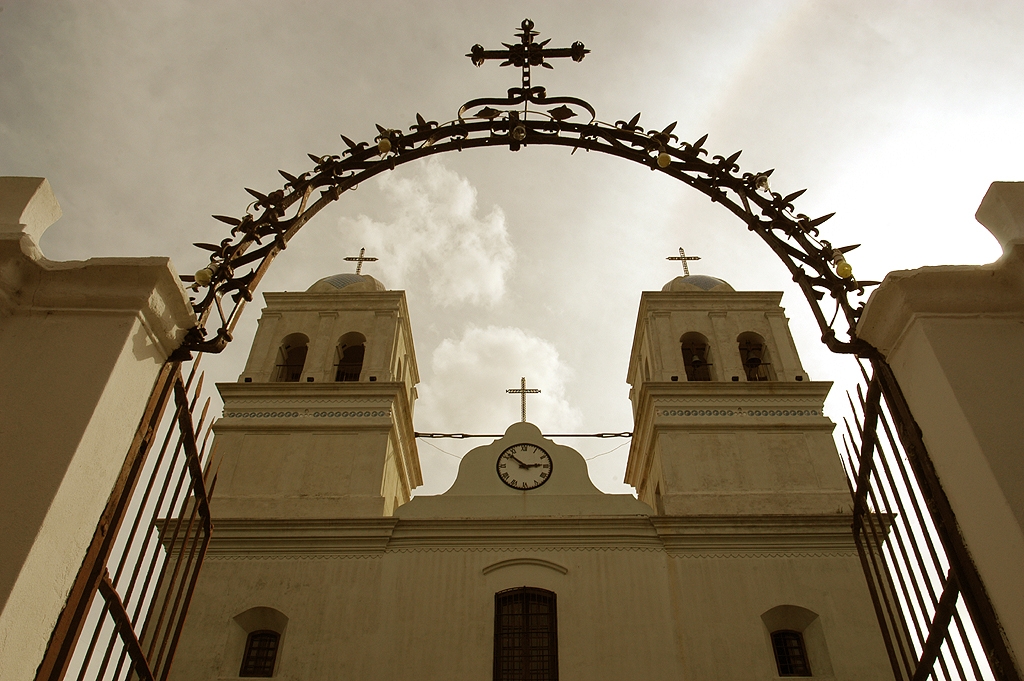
291, 358
790, 653
796, 639
348, 360
260, 654
525, 635
696, 356
754, 356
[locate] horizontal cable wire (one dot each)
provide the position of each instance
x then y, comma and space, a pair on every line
463, 436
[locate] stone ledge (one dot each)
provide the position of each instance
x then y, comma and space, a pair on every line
949, 291
681, 536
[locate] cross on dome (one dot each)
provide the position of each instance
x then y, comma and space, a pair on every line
359, 259
683, 257
522, 391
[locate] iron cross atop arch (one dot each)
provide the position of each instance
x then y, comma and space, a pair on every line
527, 53
238, 262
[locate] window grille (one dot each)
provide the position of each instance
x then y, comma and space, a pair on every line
525, 635
790, 654
260, 654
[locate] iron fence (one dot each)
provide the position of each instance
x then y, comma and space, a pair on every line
935, 617
128, 604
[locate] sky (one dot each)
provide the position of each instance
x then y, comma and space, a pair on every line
148, 117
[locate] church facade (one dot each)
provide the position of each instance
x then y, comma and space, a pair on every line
735, 561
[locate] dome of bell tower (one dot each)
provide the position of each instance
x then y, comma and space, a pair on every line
697, 282
347, 281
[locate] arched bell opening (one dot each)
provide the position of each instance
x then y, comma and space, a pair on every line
754, 357
696, 356
291, 358
348, 358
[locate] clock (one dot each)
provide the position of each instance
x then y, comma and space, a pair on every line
524, 466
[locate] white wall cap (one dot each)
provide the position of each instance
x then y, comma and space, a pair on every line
996, 289
27, 206
1002, 212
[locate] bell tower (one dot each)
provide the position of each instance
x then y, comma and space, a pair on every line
320, 422
726, 419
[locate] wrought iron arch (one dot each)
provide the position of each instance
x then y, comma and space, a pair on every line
527, 116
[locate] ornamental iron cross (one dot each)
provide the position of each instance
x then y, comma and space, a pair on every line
522, 391
359, 259
683, 257
527, 53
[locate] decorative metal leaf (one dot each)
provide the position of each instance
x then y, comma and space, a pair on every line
287, 176
488, 113
562, 113
817, 221
315, 159
631, 126
261, 197
789, 199
234, 222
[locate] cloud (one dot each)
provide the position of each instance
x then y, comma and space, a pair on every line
437, 234
466, 391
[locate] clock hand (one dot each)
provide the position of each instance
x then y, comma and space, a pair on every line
521, 464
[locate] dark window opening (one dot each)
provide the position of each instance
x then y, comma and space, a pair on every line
790, 654
525, 635
349, 357
754, 356
260, 654
696, 357
291, 358
350, 363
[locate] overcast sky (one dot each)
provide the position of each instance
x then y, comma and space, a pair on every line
147, 117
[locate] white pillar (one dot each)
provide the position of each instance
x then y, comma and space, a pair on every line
954, 337
81, 344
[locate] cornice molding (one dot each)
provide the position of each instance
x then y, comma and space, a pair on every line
679, 536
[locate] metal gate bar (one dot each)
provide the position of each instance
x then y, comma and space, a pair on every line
935, 617
145, 558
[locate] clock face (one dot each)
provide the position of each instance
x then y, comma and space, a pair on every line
524, 466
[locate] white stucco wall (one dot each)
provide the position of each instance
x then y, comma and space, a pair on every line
81, 344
